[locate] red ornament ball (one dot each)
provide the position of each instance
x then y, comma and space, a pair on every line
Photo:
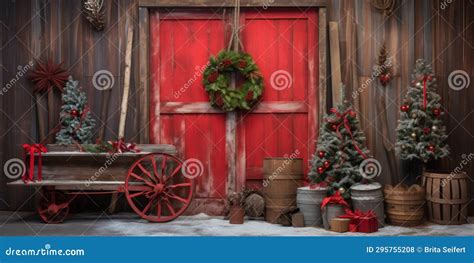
384, 79
334, 127
436, 112
320, 170
242, 63
429, 78
353, 114
321, 154
426, 130
431, 148
326, 164
213, 77
74, 113
404, 108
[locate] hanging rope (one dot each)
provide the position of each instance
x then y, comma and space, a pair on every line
235, 28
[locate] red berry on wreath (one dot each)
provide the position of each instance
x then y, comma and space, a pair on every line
219, 100
321, 154
249, 95
213, 77
320, 170
226, 63
242, 63
426, 130
326, 164
436, 112
404, 108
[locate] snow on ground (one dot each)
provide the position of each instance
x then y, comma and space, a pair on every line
128, 224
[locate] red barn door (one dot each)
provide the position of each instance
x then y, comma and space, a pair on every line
284, 46
181, 44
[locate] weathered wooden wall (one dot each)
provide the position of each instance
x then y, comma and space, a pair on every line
41, 29
438, 31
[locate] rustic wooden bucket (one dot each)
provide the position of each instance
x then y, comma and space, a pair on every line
367, 197
309, 202
331, 211
404, 205
282, 176
447, 197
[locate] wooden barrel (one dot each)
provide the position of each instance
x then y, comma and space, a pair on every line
367, 197
282, 177
447, 197
309, 202
404, 205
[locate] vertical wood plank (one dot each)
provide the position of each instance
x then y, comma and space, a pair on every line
144, 78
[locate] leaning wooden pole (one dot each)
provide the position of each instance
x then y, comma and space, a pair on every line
123, 109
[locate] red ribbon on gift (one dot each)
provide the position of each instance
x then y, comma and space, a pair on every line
31, 149
334, 199
345, 121
120, 146
361, 221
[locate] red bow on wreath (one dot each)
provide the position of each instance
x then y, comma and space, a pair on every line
31, 149
345, 121
120, 146
334, 199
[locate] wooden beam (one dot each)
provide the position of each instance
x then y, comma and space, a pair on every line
231, 3
336, 78
322, 45
144, 77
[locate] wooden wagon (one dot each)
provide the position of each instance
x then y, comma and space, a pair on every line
154, 181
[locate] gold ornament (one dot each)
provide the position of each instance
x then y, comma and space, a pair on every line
404, 147
93, 10
434, 128
342, 190
413, 135
418, 84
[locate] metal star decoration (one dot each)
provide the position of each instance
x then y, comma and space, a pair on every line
48, 75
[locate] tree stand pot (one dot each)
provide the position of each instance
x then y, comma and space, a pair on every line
404, 205
236, 215
309, 202
369, 197
447, 197
331, 211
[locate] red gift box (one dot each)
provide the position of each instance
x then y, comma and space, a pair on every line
362, 222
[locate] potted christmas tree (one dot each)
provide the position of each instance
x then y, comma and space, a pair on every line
336, 164
421, 135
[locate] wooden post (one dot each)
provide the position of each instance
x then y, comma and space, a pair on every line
336, 78
123, 109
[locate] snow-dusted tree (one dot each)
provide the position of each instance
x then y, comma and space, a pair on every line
76, 122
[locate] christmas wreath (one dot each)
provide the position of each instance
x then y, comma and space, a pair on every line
216, 81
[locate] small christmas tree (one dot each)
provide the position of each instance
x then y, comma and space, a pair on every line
340, 151
76, 121
420, 132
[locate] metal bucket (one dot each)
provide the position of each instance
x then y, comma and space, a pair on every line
367, 197
309, 202
331, 211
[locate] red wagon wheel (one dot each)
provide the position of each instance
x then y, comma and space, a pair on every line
53, 206
156, 188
